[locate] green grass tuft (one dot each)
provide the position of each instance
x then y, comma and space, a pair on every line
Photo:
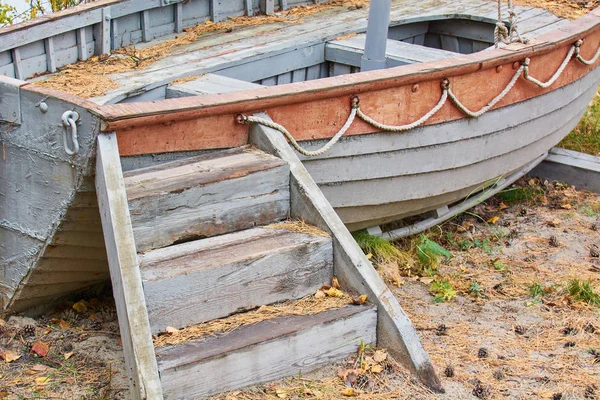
430, 253
537, 291
442, 291
583, 291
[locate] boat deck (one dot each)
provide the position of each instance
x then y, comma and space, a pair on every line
283, 52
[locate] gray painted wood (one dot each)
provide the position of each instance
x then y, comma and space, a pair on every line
206, 195
212, 278
127, 284
394, 329
50, 56
571, 167
263, 352
208, 83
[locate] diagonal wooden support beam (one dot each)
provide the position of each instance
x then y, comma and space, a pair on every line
124, 271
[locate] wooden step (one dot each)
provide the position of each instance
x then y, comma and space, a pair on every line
208, 84
207, 195
194, 282
263, 352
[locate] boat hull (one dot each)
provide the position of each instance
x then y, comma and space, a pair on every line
377, 178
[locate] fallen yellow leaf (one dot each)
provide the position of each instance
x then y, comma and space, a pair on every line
68, 355
376, 368
42, 380
379, 356
362, 299
80, 306
320, 294
333, 292
566, 206
282, 394
493, 220
502, 206
10, 356
369, 256
172, 330
348, 392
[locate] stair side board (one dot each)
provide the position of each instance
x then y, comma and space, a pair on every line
395, 330
178, 175
263, 352
193, 283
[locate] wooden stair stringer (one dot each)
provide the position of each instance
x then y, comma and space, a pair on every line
125, 275
394, 328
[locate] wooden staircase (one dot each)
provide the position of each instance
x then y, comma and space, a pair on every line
199, 239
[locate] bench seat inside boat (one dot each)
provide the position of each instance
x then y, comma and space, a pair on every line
349, 52
208, 84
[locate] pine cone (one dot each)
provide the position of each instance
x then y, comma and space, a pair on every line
483, 353
449, 371
594, 227
557, 396
554, 241
95, 325
480, 391
520, 330
28, 330
441, 329
499, 374
594, 251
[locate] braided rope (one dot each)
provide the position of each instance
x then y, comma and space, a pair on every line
492, 103
504, 34
402, 128
554, 77
446, 93
583, 60
293, 141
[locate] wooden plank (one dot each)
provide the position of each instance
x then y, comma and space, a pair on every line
82, 45
394, 328
283, 4
102, 33
50, 56
205, 196
16, 56
571, 167
125, 275
248, 7
280, 347
212, 278
178, 17
145, 25
208, 83
313, 72
449, 43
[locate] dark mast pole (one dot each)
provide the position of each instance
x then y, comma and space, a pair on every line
377, 31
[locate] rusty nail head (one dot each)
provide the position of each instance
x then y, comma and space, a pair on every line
415, 88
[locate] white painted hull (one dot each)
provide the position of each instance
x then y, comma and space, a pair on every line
373, 179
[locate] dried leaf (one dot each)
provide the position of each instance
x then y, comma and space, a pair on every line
80, 306
426, 281
40, 348
320, 294
465, 227
362, 299
348, 392
502, 206
68, 355
333, 292
9, 356
566, 206
64, 324
39, 367
493, 220
380, 356
282, 394
554, 223
349, 376
376, 368
3, 395
335, 283
172, 330
42, 380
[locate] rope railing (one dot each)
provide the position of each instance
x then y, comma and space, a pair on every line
447, 93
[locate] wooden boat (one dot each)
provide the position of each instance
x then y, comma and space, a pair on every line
451, 121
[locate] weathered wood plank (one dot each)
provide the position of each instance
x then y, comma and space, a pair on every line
571, 167
208, 83
278, 347
206, 195
212, 278
125, 274
50, 55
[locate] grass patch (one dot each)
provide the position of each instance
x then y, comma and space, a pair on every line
442, 291
430, 253
583, 291
521, 193
537, 291
585, 137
